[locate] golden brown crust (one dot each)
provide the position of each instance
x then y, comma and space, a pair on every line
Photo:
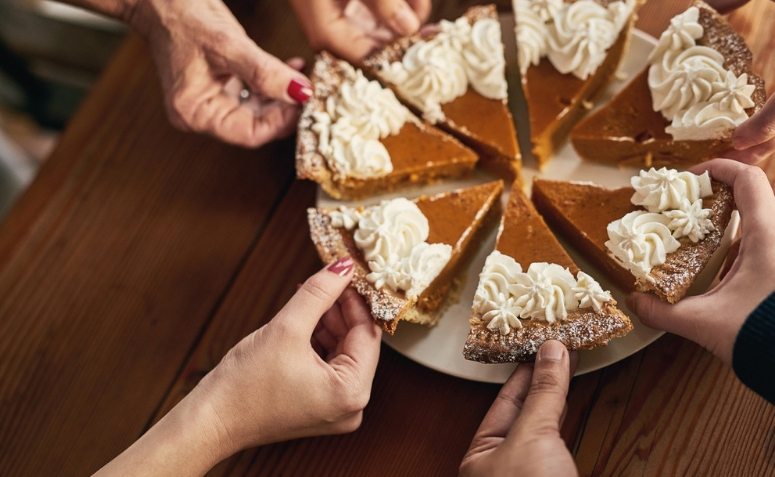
388, 307
584, 329
424, 154
628, 132
502, 157
559, 200
673, 278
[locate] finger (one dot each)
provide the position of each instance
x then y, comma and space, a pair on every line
297, 63
753, 155
327, 340
397, 14
350, 43
333, 321
684, 318
264, 73
504, 410
757, 129
545, 400
315, 296
752, 189
422, 8
360, 346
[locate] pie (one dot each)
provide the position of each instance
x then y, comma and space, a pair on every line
408, 254
582, 213
568, 52
356, 140
630, 131
531, 291
455, 78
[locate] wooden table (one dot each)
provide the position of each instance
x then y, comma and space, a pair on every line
140, 255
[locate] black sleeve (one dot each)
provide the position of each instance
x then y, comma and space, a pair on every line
753, 356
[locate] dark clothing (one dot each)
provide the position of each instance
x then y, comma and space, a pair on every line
753, 357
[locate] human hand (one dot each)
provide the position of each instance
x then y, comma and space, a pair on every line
714, 319
204, 56
520, 435
351, 29
754, 140
274, 386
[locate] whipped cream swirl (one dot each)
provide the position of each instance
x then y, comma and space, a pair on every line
392, 237
690, 86
664, 189
547, 292
690, 220
640, 241
436, 71
583, 32
354, 120
531, 34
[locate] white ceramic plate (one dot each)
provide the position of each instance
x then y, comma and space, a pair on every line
441, 347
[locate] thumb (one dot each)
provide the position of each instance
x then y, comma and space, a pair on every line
757, 129
397, 14
545, 402
317, 295
677, 318
267, 75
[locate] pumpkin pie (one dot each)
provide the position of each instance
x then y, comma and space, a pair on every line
568, 51
630, 130
454, 77
408, 254
531, 291
356, 140
587, 215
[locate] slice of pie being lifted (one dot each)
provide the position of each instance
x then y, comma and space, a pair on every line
568, 51
531, 291
356, 140
624, 239
683, 108
454, 77
408, 254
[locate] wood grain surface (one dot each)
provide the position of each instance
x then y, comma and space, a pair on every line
141, 254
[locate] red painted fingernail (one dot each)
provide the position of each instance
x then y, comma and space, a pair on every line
342, 266
298, 286
300, 90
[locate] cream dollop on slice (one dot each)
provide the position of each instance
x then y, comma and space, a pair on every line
684, 78
440, 69
690, 220
640, 241
493, 300
664, 189
690, 86
589, 293
392, 237
531, 35
582, 32
546, 292
355, 118
683, 33
724, 111
345, 217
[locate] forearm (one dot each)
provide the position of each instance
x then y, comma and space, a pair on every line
185, 442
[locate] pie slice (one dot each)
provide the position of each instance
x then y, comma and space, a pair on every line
629, 131
408, 254
581, 212
356, 140
568, 53
455, 78
531, 291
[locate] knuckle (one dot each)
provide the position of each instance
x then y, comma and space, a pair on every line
546, 382
318, 290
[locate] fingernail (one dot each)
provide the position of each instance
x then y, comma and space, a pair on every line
551, 350
298, 286
300, 90
405, 21
342, 266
